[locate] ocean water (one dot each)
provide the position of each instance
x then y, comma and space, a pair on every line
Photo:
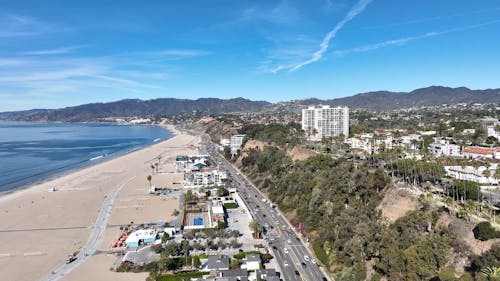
32, 152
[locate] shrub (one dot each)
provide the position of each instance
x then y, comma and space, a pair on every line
181, 276
447, 274
320, 253
466, 277
230, 205
484, 231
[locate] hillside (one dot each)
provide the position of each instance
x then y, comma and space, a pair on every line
380, 100
385, 100
136, 107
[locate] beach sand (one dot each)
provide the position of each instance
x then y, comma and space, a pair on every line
39, 228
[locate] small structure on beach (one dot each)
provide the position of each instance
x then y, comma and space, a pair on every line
141, 236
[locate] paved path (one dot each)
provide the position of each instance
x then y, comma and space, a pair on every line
95, 237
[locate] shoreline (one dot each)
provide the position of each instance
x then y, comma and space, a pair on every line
87, 163
43, 227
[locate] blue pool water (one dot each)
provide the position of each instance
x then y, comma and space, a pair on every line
31, 152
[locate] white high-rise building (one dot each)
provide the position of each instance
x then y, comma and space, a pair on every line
325, 121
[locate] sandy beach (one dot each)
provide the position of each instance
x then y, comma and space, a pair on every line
40, 228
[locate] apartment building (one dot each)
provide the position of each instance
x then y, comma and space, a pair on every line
325, 121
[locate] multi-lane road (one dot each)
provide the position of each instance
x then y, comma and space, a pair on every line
293, 257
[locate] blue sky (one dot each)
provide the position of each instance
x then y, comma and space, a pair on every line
55, 54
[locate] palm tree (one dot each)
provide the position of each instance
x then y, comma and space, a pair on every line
149, 178
496, 175
465, 187
492, 273
255, 226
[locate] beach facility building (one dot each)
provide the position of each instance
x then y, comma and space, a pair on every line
205, 178
141, 236
216, 213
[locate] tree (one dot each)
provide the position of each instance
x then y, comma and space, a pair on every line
189, 196
172, 249
221, 192
149, 178
484, 231
234, 243
255, 226
227, 152
221, 225
196, 262
491, 273
235, 263
165, 237
185, 248
447, 274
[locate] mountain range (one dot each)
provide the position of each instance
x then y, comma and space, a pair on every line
385, 100
379, 100
136, 108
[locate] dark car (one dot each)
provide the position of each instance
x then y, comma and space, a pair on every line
297, 272
304, 265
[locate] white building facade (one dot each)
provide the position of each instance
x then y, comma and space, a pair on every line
236, 142
444, 147
325, 121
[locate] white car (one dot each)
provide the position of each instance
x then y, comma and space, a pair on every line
286, 264
306, 258
285, 250
313, 261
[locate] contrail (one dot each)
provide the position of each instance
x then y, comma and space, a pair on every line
356, 10
402, 41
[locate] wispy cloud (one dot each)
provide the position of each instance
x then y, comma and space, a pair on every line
14, 26
282, 13
356, 10
142, 72
56, 51
405, 40
430, 19
172, 54
370, 47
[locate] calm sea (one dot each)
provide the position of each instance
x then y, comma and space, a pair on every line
31, 152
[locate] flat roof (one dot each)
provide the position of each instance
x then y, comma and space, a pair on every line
141, 234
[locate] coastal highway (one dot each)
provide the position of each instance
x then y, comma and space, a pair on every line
289, 250
95, 237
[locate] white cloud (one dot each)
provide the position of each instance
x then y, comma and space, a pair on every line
317, 55
14, 26
56, 51
402, 41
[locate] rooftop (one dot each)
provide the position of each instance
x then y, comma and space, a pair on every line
218, 262
141, 234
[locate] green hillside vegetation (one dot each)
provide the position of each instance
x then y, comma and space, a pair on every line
336, 199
